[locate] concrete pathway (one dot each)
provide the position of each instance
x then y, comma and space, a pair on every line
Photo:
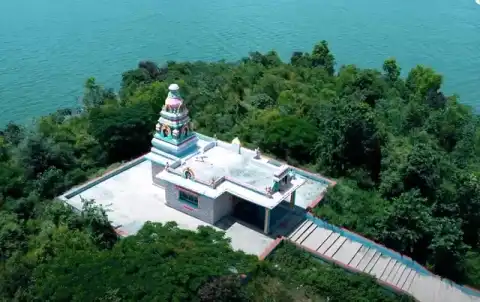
425, 288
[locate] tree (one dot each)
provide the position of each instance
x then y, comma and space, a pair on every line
37, 153
13, 133
468, 202
288, 137
391, 69
93, 95
12, 237
349, 140
124, 132
415, 166
322, 57
300, 59
95, 220
448, 249
408, 224
181, 260
262, 101
223, 289
423, 82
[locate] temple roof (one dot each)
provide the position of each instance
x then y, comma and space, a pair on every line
174, 99
217, 168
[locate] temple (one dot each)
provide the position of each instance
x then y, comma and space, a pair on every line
210, 179
196, 180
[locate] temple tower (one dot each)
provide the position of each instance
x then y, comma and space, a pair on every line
174, 134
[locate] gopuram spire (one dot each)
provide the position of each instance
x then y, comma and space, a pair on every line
174, 133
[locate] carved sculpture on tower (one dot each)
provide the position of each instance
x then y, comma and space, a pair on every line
173, 131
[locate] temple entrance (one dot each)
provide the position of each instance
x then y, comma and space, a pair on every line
248, 212
254, 215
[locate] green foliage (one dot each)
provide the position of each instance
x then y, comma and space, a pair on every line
160, 263
124, 132
223, 289
408, 158
325, 282
391, 69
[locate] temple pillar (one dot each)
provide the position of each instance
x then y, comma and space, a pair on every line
266, 228
292, 199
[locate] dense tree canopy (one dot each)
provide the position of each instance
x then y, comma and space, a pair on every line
407, 158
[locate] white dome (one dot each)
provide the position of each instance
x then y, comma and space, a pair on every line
173, 87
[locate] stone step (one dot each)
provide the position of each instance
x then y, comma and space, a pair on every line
409, 281
389, 270
362, 251
326, 245
347, 251
380, 266
404, 277
316, 239
301, 230
366, 259
443, 293
398, 274
335, 246
306, 233
372, 262
428, 288
295, 231
448, 293
392, 272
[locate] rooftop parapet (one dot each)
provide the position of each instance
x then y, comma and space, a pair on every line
213, 183
282, 172
216, 164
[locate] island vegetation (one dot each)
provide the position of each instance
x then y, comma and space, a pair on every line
406, 157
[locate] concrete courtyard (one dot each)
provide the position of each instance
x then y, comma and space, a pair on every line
131, 200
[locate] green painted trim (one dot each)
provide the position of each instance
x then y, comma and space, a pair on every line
169, 139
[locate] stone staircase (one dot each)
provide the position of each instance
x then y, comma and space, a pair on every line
423, 287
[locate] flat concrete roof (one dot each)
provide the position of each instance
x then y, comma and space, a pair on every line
232, 188
242, 174
218, 162
131, 199
309, 191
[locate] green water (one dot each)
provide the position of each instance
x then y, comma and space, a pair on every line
49, 47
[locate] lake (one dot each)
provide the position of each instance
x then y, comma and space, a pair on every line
48, 48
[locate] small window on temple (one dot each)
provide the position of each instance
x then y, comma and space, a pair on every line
285, 180
188, 198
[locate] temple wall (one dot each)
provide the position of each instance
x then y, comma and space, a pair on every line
157, 168
223, 206
204, 211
